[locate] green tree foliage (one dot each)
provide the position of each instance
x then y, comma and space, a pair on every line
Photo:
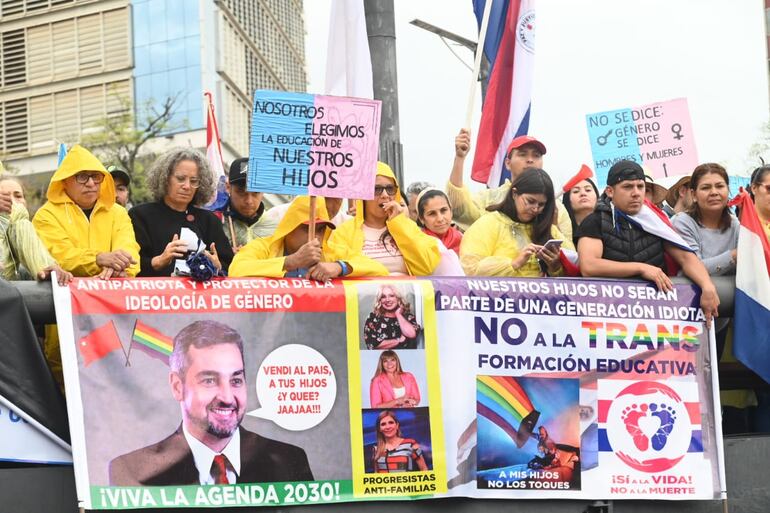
121, 139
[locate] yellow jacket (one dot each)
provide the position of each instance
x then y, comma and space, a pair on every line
420, 251
467, 208
71, 238
265, 256
20, 245
492, 242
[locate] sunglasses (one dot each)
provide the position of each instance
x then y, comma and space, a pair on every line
389, 189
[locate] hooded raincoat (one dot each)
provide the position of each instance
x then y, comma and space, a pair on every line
265, 257
420, 251
489, 246
20, 247
73, 239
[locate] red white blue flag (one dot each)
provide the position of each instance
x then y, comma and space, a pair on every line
653, 220
751, 337
509, 47
214, 155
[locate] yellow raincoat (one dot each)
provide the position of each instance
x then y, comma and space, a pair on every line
74, 240
265, 256
20, 245
492, 242
420, 251
71, 238
467, 208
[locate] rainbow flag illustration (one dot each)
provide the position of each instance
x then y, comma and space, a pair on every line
502, 401
152, 342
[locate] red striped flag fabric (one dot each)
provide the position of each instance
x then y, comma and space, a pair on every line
506, 109
751, 337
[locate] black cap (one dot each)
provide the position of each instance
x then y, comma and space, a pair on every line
116, 172
238, 170
624, 170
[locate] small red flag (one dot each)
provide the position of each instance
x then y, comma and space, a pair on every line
584, 173
99, 343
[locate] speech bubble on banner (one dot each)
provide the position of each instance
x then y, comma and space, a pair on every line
296, 387
658, 136
306, 144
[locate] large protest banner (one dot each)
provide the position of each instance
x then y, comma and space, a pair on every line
314, 145
614, 376
507, 388
658, 136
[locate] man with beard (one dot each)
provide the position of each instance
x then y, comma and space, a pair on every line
210, 447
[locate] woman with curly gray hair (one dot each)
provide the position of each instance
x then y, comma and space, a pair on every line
180, 181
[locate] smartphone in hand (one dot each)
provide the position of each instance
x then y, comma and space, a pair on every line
553, 245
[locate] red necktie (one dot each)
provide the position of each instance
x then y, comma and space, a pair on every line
219, 469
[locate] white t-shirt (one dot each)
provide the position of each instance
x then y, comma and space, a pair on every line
389, 256
399, 392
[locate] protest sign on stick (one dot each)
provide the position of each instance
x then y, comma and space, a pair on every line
305, 144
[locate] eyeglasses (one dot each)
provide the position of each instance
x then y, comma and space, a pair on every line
82, 178
389, 189
194, 182
533, 204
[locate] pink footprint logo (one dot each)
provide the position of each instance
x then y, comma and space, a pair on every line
631, 416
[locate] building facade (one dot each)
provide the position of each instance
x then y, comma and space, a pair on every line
67, 64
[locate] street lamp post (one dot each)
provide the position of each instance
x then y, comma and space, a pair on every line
467, 43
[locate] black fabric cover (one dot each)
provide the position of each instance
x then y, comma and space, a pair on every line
25, 379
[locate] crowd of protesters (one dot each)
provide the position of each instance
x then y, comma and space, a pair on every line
88, 227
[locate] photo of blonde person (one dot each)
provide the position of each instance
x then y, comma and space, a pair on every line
391, 323
391, 386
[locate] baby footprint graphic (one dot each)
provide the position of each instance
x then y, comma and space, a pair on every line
631, 416
667, 417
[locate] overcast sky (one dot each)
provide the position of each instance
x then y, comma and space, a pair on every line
618, 53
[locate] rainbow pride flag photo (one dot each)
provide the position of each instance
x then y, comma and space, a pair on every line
528, 433
151, 342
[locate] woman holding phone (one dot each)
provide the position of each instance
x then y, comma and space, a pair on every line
511, 239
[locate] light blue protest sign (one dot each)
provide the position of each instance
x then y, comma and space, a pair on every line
313, 144
279, 141
736, 182
612, 139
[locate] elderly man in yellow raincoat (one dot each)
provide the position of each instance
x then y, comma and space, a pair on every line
81, 225
84, 229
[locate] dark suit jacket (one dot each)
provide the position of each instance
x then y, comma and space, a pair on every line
170, 462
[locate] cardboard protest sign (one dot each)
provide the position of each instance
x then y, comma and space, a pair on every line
305, 144
658, 136
507, 388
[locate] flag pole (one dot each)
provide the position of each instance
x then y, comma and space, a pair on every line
311, 227
232, 232
130, 345
477, 63
210, 112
